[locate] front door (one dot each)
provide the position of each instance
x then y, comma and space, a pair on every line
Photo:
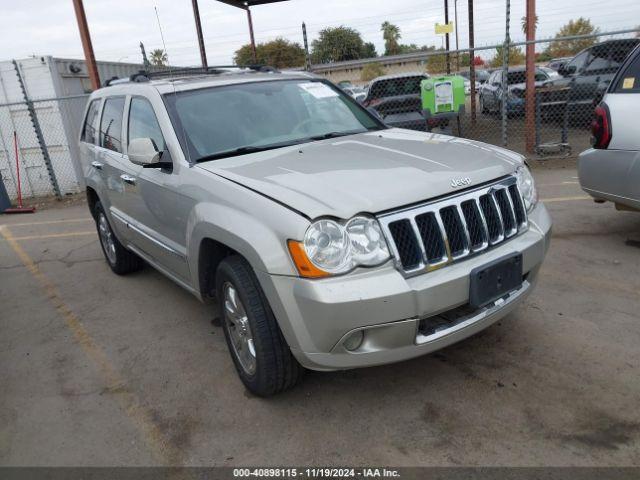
156, 211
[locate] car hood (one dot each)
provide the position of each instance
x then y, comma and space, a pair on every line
366, 173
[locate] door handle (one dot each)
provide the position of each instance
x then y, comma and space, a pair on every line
128, 179
96, 165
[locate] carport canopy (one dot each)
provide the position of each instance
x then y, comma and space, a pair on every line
244, 4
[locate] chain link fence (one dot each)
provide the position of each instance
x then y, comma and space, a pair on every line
494, 109
46, 133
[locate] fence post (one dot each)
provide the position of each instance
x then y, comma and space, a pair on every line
307, 57
4, 198
36, 128
505, 71
530, 89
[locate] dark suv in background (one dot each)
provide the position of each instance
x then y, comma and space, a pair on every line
397, 100
588, 75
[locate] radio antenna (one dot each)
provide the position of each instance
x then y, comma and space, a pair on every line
164, 46
185, 148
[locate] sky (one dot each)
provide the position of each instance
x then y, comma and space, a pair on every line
48, 27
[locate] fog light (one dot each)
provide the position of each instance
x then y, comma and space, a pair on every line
354, 341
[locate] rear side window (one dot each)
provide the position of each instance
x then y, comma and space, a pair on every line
111, 124
629, 79
89, 128
143, 122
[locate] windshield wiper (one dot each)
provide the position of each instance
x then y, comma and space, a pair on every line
328, 135
242, 150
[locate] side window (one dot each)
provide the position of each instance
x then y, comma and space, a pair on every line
597, 62
578, 62
89, 127
143, 122
541, 76
111, 124
629, 80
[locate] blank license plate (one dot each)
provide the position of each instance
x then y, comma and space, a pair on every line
494, 280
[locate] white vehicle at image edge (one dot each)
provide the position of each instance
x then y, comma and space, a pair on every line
611, 169
326, 239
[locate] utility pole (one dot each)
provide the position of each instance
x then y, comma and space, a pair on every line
472, 66
446, 36
455, 15
253, 40
87, 47
145, 60
530, 89
196, 14
306, 47
505, 72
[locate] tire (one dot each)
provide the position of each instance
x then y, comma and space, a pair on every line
259, 351
483, 109
121, 260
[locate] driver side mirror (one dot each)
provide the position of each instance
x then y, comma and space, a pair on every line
143, 151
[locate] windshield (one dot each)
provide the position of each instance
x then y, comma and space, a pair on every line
218, 122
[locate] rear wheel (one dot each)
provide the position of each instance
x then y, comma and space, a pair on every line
121, 260
259, 351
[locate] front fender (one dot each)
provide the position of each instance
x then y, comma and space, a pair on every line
259, 238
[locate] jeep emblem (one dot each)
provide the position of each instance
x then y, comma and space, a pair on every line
460, 182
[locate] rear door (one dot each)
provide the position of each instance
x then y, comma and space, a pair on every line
110, 157
91, 168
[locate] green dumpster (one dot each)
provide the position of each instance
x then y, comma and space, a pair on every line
443, 94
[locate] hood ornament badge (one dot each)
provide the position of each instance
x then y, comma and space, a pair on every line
460, 182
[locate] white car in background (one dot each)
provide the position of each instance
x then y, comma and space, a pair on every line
610, 171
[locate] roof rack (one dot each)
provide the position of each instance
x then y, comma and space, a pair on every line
145, 76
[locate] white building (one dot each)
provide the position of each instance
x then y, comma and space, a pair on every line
58, 89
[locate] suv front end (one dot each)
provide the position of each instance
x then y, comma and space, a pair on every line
419, 299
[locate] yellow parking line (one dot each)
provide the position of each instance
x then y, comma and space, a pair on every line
565, 199
141, 417
50, 222
56, 235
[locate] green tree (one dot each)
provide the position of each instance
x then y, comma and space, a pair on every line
391, 35
369, 50
371, 71
278, 53
567, 48
516, 57
337, 44
159, 57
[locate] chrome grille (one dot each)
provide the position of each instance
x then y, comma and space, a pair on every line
432, 235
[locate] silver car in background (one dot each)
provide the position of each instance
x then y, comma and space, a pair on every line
610, 171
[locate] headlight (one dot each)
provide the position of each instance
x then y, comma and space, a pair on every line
527, 187
330, 247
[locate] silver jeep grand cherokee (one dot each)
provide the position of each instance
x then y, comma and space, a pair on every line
328, 240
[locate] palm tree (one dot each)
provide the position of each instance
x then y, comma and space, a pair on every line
159, 57
523, 24
391, 35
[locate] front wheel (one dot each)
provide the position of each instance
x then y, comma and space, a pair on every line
259, 351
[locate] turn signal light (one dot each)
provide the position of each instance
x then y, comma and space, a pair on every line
302, 262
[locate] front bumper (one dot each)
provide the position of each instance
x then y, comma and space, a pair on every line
316, 316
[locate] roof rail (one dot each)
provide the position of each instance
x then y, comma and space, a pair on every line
145, 76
